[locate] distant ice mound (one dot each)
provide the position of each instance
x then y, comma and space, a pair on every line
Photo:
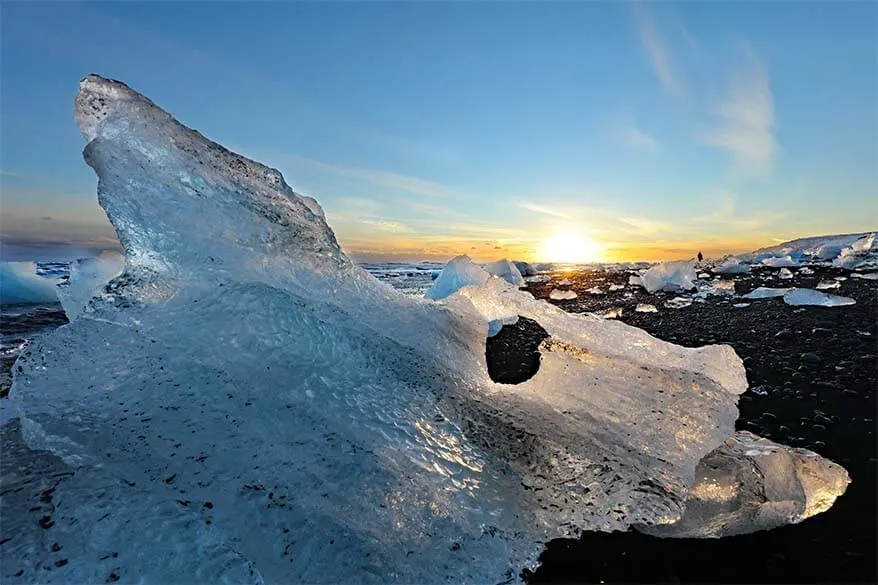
507, 271
850, 251
20, 284
88, 276
524, 268
245, 404
458, 273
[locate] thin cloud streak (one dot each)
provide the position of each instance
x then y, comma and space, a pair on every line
637, 138
746, 113
380, 178
656, 50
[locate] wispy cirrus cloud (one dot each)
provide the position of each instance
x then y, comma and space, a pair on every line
379, 178
543, 209
746, 117
657, 51
639, 139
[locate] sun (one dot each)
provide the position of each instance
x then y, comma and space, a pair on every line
570, 247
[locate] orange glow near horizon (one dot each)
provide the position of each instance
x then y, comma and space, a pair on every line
570, 247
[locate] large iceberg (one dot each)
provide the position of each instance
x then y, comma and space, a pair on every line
670, 277
245, 404
20, 284
507, 271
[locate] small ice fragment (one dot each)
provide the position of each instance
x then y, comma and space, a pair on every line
595, 290
614, 313
614, 287
741, 305
863, 333
841, 278
808, 296
805, 270
866, 275
703, 275
635, 280
785, 274
562, 295
645, 308
564, 282
764, 292
760, 390
678, 303
826, 285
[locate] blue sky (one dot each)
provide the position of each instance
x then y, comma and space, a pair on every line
431, 129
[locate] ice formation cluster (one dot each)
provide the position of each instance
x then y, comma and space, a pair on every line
245, 404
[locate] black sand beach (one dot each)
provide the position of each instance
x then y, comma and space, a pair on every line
813, 370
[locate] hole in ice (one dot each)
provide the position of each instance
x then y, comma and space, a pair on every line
513, 354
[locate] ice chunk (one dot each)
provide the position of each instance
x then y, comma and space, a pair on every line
635, 280
539, 278
564, 282
678, 303
717, 287
645, 308
20, 284
828, 284
732, 265
806, 271
614, 313
458, 273
524, 268
866, 275
562, 295
342, 431
779, 262
784, 274
88, 276
741, 305
595, 290
703, 275
750, 482
807, 296
506, 270
857, 254
828, 251
764, 292
670, 276
615, 287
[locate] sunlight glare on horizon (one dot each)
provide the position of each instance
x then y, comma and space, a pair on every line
570, 247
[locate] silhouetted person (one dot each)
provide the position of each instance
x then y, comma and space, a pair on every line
700, 257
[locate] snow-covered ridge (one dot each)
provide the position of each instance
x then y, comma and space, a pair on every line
339, 430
